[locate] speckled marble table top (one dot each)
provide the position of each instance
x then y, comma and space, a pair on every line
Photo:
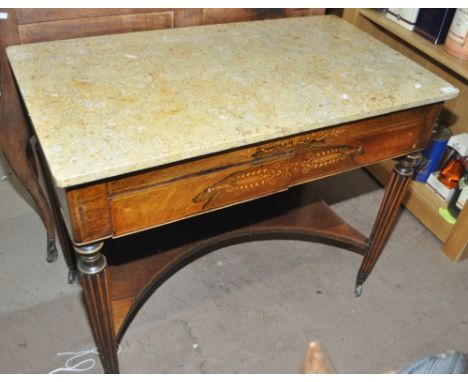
109, 105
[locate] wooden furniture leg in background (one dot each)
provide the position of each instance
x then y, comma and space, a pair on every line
394, 192
94, 278
61, 229
14, 133
24, 171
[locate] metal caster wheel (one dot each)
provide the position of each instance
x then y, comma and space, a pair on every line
358, 290
52, 253
71, 277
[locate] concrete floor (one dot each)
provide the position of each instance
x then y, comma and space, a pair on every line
249, 308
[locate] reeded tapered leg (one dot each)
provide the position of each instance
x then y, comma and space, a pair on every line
394, 192
94, 278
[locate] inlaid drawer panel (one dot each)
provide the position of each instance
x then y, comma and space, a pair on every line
186, 196
175, 200
168, 193
343, 155
255, 153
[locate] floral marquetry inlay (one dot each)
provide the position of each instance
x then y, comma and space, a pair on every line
274, 175
326, 157
298, 142
242, 181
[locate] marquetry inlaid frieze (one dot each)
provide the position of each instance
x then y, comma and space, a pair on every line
298, 142
281, 172
326, 157
242, 181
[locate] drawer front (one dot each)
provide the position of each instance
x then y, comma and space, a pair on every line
277, 166
344, 155
179, 199
255, 153
244, 156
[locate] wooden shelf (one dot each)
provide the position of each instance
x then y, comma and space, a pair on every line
420, 199
436, 52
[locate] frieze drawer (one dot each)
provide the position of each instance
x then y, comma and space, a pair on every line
169, 193
194, 195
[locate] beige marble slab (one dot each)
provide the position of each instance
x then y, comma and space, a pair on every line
109, 105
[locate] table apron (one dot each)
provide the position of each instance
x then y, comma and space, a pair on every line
148, 199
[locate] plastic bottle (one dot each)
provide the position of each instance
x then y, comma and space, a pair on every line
434, 152
452, 172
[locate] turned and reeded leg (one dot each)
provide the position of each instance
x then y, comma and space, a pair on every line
94, 277
394, 192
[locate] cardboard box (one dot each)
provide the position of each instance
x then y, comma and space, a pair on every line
439, 188
459, 143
